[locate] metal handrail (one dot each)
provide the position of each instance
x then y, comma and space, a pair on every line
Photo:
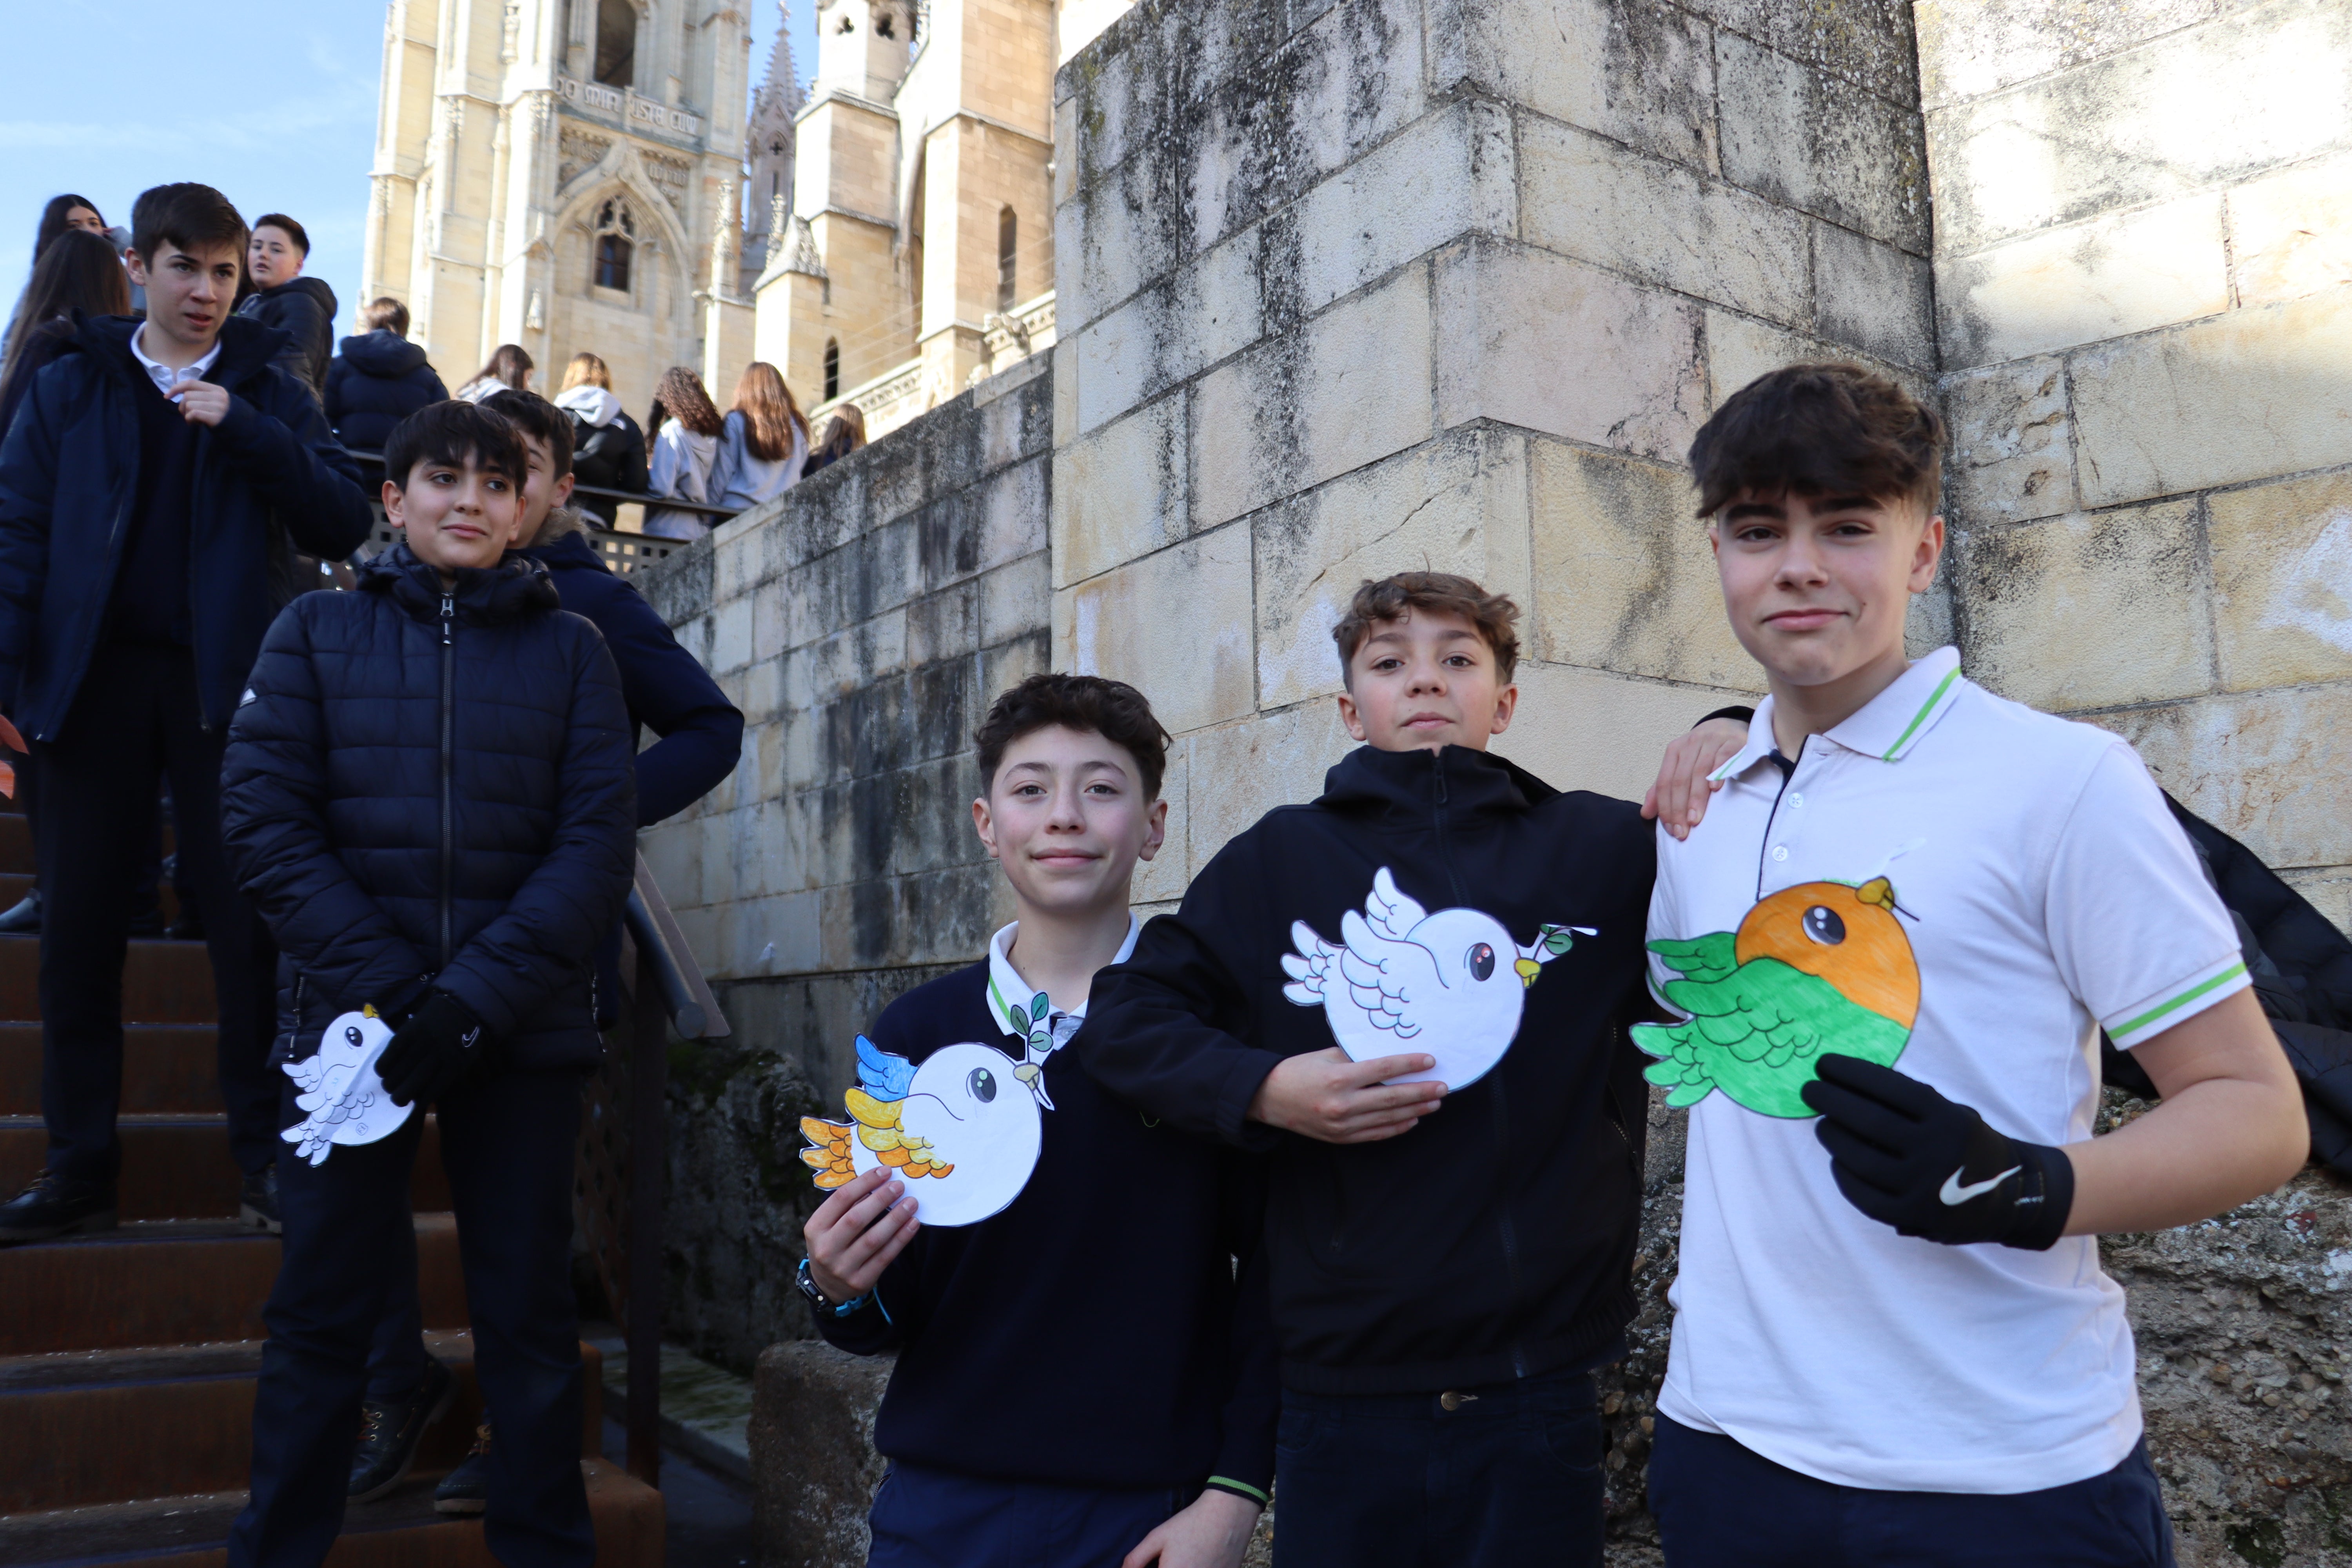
667, 503
687, 997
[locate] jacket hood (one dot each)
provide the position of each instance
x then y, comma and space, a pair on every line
314, 286
1415, 784
246, 346
517, 586
593, 404
381, 352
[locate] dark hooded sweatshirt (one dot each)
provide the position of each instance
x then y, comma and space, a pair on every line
1495, 1239
304, 310
380, 378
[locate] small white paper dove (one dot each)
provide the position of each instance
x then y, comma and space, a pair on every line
346, 1100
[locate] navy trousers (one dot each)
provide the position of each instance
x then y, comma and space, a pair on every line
507, 1144
1721, 1505
926, 1518
1502, 1476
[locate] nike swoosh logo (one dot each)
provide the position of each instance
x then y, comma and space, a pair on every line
1953, 1193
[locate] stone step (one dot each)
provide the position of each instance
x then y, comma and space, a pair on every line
167, 1068
176, 1282
178, 1167
118, 1425
398, 1532
162, 982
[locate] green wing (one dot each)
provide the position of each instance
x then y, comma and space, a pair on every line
1706, 959
1755, 1033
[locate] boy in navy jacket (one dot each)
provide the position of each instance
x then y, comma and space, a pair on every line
1084, 1376
428, 794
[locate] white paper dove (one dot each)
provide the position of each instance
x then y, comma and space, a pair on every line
962, 1131
1450, 985
346, 1100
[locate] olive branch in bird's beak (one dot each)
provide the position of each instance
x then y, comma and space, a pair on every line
1550, 941
1035, 1023
1879, 893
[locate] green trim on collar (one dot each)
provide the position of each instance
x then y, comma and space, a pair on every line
1920, 718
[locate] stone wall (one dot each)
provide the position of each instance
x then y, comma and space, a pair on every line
862, 622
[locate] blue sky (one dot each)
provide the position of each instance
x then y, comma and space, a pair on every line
272, 100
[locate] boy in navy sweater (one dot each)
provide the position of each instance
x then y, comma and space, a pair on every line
1087, 1375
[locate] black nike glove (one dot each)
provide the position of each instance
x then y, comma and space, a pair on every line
1907, 1156
427, 1055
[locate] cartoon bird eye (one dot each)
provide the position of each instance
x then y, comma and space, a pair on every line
1824, 926
1482, 961
350, 1034
982, 1084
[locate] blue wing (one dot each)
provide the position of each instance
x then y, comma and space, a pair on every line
883, 1076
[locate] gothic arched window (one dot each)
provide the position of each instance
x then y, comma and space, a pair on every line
832, 369
615, 245
1008, 245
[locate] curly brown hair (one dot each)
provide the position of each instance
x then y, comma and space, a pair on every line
1432, 593
1088, 703
680, 395
1820, 430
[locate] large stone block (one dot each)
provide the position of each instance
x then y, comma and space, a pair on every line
1633, 70
1866, 42
1170, 330
1794, 134
1624, 580
1458, 504
2282, 582
2012, 450
1120, 492
2246, 396
1967, 49
1538, 340
2291, 233
2106, 278
814, 1468
2266, 767
2088, 611
1167, 874
1877, 297
2252, 91
1346, 388
1581, 729
1175, 625
1662, 222
1241, 771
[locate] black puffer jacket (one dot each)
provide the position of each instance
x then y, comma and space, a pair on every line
419, 784
380, 378
304, 310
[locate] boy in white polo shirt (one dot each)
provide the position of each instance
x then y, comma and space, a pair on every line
1894, 941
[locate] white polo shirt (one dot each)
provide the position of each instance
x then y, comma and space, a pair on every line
2044, 892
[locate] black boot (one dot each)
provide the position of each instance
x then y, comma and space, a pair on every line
389, 1433
466, 1488
257, 1202
24, 917
53, 1206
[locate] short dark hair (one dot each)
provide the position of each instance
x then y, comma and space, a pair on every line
294, 231
386, 314
539, 419
1434, 593
1111, 709
188, 215
455, 433
1820, 430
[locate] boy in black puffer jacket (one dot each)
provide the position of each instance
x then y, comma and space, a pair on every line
380, 378
428, 794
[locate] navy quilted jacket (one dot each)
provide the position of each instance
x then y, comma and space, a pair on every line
419, 784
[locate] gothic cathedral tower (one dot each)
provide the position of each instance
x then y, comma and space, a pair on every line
566, 174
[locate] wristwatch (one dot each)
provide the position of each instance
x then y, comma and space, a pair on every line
818, 1301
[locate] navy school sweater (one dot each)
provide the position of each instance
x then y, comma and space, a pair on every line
1096, 1331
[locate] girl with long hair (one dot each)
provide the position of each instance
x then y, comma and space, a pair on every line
64, 214
765, 442
79, 271
686, 428
845, 433
608, 450
509, 369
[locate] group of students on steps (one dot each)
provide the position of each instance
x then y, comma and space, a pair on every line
1872, 940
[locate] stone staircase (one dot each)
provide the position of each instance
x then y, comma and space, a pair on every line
127, 1359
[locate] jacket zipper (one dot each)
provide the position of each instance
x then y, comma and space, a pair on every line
448, 760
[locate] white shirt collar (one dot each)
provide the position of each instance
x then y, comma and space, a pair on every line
1884, 728
1007, 990
165, 378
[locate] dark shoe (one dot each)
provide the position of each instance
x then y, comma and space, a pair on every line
53, 1206
466, 1488
24, 917
389, 1433
257, 1202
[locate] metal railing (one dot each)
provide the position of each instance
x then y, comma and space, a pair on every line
623, 550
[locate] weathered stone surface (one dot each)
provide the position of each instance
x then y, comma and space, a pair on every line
2247, 395
1239, 772
1971, 47
1624, 577
2282, 582
2112, 276
1583, 729
2087, 611
2291, 233
2267, 766
1177, 623
814, 1468
1866, 42
1170, 329
1876, 297
2012, 452
1446, 176
1121, 491
1800, 137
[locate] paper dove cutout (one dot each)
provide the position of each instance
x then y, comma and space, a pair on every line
962, 1131
1450, 985
346, 1100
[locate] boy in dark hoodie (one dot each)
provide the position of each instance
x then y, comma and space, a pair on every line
303, 308
1472, 939
380, 378
427, 792
150, 486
